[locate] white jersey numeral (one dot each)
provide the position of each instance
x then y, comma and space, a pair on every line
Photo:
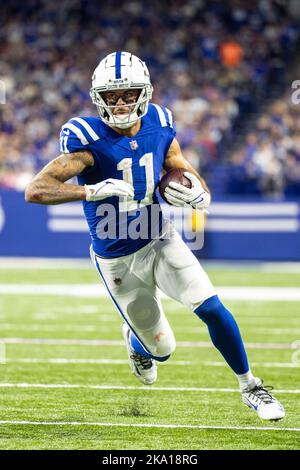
125, 166
147, 162
63, 142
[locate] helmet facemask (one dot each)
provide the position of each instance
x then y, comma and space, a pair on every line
137, 109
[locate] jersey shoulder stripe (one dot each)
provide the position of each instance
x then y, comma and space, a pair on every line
78, 133
87, 127
169, 117
164, 115
76, 130
161, 115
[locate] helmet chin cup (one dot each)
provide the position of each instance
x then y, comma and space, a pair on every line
123, 121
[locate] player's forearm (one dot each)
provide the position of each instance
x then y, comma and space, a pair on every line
195, 172
48, 190
175, 159
182, 163
203, 182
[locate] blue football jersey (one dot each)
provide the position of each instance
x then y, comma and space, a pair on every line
119, 227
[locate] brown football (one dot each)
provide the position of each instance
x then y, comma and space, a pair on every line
173, 175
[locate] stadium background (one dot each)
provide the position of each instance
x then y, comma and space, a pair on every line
225, 69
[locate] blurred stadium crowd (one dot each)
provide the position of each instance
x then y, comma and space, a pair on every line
222, 67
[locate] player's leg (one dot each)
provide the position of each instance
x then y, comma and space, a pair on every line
146, 331
179, 274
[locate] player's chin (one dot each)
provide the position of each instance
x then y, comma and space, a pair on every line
121, 112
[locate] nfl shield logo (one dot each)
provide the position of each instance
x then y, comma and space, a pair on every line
133, 145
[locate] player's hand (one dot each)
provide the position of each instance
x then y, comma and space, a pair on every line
196, 196
108, 188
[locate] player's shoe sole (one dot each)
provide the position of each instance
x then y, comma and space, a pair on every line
144, 369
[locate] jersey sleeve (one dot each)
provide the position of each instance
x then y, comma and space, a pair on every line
171, 127
170, 121
77, 135
164, 119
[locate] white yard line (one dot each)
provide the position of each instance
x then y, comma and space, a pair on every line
145, 425
271, 365
199, 330
113, 343
149, 388
274, 294
53, 328
68, 290
84, 263
44, 263
100, 328
63, 361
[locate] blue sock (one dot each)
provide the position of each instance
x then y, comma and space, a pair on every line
224, 333
139, 348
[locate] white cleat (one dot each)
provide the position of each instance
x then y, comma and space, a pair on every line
260, 400
142, 367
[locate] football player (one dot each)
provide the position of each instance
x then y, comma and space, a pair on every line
118, 158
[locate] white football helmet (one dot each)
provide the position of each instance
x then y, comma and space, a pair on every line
121, 71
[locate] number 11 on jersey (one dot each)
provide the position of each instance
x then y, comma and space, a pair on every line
125, 166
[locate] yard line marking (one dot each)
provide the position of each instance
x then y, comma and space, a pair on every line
276, 331
73, 290
49, 327
54, 327
44, 263
292, 365
131, 387
62, 360
281, 267
107, 342
85, 263
147, 425
253, 329
273, 294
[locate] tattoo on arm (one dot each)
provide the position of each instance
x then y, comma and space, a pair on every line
175, 159
48, 186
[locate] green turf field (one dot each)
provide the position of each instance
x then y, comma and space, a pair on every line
66, 384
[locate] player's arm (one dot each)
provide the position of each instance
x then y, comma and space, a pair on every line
199, 195
49, 185
175, 159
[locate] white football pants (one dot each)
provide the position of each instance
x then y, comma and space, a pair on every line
133, 281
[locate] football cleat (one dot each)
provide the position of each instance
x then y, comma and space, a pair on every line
259, 399
142, 367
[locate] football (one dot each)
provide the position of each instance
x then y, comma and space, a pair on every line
173, 175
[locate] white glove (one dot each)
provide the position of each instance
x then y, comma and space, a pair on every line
196, 196
108, 188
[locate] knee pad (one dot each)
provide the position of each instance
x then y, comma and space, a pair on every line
144, 311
